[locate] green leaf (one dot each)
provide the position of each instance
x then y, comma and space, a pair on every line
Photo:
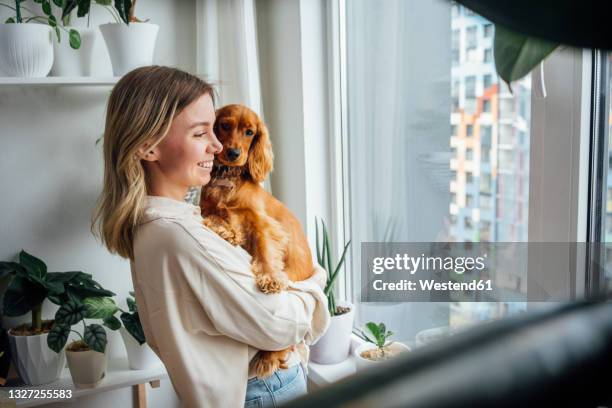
58, 300
84, 6
58, 336
52, 21
68, 7
373, 328
21, 296
123, 8
10, 20
59, 3
82, 286
70, 313
46, 8
332, 279
99, 307
132, 324
75, 39
112, 323
132, 293
8, 268
61, 276
132, 305
317, 243
517, 54
95, 337
104, 2
33, 265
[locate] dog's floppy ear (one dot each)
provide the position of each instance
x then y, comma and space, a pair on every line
260, 155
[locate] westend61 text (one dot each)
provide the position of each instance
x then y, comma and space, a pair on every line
430, 284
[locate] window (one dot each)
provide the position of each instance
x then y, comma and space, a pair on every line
488, 55
488, 30
455, 45
605, 276
470, 87
471, 38
486, 105
469, 154
485, 135
487, 81
485, 183
469, 130
406, 166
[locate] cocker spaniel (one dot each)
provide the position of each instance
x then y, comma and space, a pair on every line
236, 207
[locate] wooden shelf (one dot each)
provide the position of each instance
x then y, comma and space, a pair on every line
62, 81
118, 375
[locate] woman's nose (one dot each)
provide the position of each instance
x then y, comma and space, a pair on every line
215, 145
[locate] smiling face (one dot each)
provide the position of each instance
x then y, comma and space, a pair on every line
185, 156
236, 127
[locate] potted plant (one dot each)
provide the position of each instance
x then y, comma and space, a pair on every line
31, 284
130, 43
334, 346
87, 355
72, 58
377, 348
140, 356
26, 50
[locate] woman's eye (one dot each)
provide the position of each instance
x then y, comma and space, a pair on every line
249, 132
200, 134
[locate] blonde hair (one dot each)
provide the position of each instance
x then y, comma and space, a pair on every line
140, 109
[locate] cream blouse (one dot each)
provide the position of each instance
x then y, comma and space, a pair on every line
201, 311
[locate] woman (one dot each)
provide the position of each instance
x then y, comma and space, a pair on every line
200, 309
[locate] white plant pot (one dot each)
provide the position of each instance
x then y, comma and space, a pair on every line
365, 363
140, 357
87, 368
129, 47
71, 62
35, 362
26, 50
335, 345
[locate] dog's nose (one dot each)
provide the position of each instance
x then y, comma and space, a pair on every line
233, 154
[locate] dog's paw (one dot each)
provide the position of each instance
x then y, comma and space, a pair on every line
265, 367
270, 284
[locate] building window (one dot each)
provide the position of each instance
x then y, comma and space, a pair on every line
470, 87
485, 135
469, 130
471, 38
488, 55
469, 154
455, 43
488, 30
486, 105
469, 179
487, 81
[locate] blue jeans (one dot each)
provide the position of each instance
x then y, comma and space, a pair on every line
280, 387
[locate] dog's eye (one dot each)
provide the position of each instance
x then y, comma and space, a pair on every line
249, 132
225, 126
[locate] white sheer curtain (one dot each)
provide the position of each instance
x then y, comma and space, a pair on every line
227, 50
398, 67
227, 55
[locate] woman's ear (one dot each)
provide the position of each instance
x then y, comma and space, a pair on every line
145, 152
260, 155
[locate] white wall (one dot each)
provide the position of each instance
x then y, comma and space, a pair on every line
51, 170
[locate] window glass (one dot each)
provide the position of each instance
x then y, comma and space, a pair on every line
441, 166
607, 284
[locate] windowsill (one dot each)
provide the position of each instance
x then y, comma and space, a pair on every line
325, 374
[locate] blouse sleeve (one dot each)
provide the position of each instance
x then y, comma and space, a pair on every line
219, 278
